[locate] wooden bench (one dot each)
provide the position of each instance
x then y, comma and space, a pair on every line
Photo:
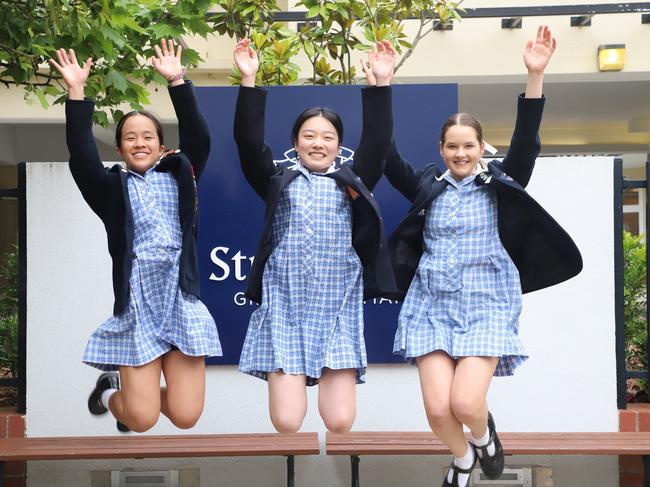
174, 446
414, 443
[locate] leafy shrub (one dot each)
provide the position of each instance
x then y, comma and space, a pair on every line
635, 302
9, 311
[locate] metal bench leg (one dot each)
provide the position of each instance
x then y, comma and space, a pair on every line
354, 461
290, 471
2, 473
646, 470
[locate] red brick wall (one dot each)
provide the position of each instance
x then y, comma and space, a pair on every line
635, 418
12, 425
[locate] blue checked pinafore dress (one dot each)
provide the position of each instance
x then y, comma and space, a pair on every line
311, 315
159, 315
465, 298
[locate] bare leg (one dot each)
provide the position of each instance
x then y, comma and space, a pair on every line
183, 398
137, 404
287, 401
337, 402
469, 391
437, 370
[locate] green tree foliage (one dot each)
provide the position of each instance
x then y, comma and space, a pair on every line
385, 20
276, 44
339, 27
118, 34
240, 18
636, 297
333, 31
331, 34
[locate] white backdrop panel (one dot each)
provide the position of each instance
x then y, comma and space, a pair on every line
568, 384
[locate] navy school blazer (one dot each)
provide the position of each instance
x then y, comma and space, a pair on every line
540, 248
269, 180
106, 192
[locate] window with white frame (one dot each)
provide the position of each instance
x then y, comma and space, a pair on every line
634, 211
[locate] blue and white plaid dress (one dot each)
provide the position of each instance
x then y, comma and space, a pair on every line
465, 298
159, 314
311, 315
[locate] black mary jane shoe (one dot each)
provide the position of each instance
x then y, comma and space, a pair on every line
122, 428
493, 465
457, 470
108, 380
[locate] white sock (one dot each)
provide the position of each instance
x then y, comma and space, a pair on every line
106, 397
484, 441
462, 462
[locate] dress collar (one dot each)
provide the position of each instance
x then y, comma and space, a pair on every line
299, 167
481, 167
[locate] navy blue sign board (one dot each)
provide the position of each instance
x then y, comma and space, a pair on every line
231, 213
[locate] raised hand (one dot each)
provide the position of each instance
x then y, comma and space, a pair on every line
168, 63
382, 63
246, 61
538, 53
75, 76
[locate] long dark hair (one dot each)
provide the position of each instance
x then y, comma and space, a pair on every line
327, 113
149, 115
462, 119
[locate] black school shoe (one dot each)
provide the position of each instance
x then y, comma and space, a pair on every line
108, 380
492, 466
457, 470
122, 428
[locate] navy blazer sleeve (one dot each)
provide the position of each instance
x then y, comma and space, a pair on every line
193, 133
255, 156
525, 144
401, 174
369, 158
86, 167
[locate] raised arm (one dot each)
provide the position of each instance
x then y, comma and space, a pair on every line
370, 156
255, 156
400, 173
525, 144
193, 132
85, 164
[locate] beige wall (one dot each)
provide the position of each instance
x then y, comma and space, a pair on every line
635, 173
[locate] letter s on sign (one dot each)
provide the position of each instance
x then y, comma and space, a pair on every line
214, 257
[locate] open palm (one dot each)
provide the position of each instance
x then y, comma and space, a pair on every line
167, 62
539, 52
382, 61
75, 76
246, 58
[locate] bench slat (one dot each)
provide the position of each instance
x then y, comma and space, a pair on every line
175, 446
416, 443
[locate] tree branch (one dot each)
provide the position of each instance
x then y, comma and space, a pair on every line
418, 37
16, 51
23, 83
